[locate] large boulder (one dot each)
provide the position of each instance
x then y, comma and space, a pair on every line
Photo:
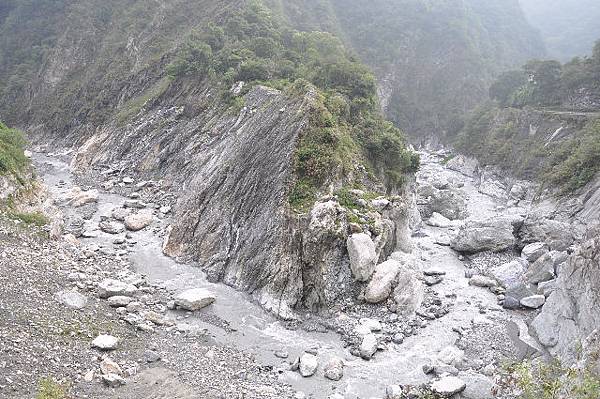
380, 287
368, 346
531, 252
308, 364
558, 235
78, 197
138, 221
545, 268
363, 256
451, 355
105, 342
194, 299
449, 202
409, 292
437, 220
494, 234
72, 299
465, 165
448, 386
111, 287
511, 276
478, 386
111, 227
334, 369
493, 188
533, 301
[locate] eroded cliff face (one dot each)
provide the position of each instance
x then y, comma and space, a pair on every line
231, 172
101, 86
572, 311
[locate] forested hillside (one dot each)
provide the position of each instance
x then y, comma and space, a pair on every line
569, 27
542, 122
246, 119
434, 59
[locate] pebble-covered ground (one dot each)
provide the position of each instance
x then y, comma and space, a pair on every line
45, 338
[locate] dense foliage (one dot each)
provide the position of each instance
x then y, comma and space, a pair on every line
576, 161
528, 380
12, 158
544, 92
28, 29
548, 83
74, 58
346, 126
437, 57
495, 137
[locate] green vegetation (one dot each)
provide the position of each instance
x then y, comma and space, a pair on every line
439, 57
345, 126
549, 381
50, 389
30, 218
548, 83
442, 56
12, 162
494, 137
135, 105
499, 136
576, 161
12, 157
23, 46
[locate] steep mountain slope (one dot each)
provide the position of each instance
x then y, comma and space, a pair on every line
246, 125
434, 59
569, 27
543, 123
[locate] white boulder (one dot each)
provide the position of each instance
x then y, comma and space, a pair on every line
194, 299
363, 256
380, 287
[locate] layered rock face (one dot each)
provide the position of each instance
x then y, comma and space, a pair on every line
232, 174
227, 156
572, 310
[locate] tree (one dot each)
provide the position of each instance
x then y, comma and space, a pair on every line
507, 84
546, 80
194, 59
253, 70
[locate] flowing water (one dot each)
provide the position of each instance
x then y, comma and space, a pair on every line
255, 331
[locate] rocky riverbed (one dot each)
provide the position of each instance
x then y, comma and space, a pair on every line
107, 313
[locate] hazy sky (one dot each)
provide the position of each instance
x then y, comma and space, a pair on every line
568, 27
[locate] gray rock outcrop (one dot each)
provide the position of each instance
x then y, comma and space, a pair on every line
449, 202
558, 235
494, 234
380, 286
363, 256
572, 310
